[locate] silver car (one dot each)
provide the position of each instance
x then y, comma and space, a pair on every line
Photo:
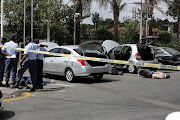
133, 53
73, 67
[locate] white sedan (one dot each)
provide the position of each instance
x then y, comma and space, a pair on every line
72, 68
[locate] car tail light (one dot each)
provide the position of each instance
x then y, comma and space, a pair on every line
83, 62
155, 55
138, 57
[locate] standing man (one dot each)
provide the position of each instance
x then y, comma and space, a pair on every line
39, 66
29, 64
11, 63
2, 61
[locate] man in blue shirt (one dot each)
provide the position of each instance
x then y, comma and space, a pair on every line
2, 61
39, 66
11, 63
30, 63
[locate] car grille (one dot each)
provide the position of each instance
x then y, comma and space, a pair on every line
96, 63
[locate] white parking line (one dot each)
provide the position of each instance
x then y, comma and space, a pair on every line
63, 85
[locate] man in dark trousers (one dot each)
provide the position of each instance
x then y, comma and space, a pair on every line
2, 61
11, 62
30, 63
39, 66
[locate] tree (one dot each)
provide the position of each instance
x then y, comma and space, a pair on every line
130, 31
95, 19
116, 6
164, 37
14, 18
82, 7
174, 10
103, 34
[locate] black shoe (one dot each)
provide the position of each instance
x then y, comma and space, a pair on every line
1, 85
16, 85
33, 89
7, 84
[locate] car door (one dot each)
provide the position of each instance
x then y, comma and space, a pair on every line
50, 61
61, 62
117, 53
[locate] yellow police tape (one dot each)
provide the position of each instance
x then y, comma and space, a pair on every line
140, 64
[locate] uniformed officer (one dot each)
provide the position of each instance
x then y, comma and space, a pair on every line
39, 66
11, 63
2, 61
30, 63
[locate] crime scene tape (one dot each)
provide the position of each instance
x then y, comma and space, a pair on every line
140, 64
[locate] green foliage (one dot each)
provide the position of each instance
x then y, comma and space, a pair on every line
130, 31
164, 37
59, 15
103, 34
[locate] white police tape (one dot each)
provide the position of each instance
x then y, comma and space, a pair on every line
140, 64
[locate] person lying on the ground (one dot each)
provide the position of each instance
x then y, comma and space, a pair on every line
116, 72
153, 74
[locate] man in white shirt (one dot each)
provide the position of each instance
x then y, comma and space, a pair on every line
11, 63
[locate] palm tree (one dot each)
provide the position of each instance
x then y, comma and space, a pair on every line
116, 6
82, 7
95, 19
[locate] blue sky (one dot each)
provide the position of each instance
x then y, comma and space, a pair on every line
107, 13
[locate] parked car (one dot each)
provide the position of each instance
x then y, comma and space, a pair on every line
75, 67
133, 53
168, 56
1, 99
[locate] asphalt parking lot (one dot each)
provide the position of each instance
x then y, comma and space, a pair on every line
116, 97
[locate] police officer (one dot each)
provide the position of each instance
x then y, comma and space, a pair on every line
30, 63
11, 63
39, 66
2, 61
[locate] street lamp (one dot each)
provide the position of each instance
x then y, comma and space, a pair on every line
75, 16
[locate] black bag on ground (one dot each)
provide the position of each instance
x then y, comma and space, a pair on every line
145, 74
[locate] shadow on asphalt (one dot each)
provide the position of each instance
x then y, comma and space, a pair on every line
4, 114
46, 89
85, 80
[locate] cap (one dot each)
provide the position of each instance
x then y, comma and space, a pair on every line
28, 38
3, 38
36, 40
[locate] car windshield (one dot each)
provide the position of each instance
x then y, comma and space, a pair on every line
171, 51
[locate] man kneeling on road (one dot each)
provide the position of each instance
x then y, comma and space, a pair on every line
28, 61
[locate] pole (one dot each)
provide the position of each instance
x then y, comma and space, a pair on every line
74, 29
24, 34
2, 12
48, 26
141, 25
32, 18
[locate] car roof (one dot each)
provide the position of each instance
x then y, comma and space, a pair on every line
68, 46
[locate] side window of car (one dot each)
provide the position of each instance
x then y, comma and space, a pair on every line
55, 50
126, 49
117, 50
159, 51
64, 51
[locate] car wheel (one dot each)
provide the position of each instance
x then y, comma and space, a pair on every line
132, 69
98, 76
69, 75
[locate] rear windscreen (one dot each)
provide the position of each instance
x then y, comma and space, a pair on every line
171, 51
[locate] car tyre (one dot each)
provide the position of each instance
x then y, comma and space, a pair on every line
69, 75
132, 69
98, 76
